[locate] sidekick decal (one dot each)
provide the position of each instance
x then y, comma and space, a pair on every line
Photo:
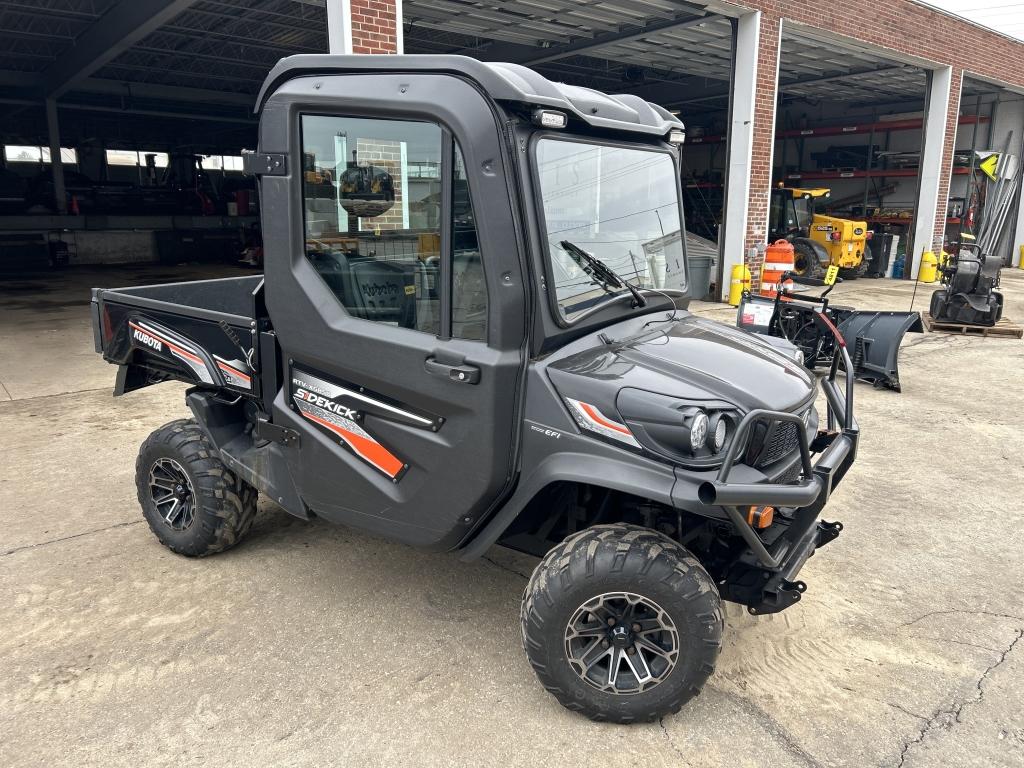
337, 409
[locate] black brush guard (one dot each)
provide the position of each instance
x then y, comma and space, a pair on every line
765, 578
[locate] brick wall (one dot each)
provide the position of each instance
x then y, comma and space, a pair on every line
387, 156
373, 26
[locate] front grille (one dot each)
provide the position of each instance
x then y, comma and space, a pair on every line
791, 475
772, 443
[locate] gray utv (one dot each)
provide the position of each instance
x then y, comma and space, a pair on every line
472, 330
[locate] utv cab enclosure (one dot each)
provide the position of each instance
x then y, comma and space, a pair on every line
471, 331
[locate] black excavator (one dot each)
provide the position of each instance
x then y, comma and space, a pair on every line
968, 296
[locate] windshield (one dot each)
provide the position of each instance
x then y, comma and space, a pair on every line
618, 204
804, 212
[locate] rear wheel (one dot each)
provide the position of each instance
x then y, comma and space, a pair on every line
622, 623
805, 261
864, 266
193, 503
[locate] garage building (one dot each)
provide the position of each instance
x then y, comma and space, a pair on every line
149, 104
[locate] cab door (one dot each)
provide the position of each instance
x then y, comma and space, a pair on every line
395, 288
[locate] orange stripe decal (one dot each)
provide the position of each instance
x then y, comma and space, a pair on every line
364, 447
593, 413
233, 371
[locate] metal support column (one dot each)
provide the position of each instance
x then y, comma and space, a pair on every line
56, 166
938, 108
339, 26
740, 146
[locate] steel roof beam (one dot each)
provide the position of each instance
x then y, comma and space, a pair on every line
121, 27
837, 78
531, 56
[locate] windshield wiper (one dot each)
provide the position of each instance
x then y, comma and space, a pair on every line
602, 274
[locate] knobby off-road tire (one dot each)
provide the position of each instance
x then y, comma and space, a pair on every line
215, 509
599, 569
864, 266
805, 261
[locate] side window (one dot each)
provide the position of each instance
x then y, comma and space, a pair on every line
469, 291
372, 195
777, 211
372, 191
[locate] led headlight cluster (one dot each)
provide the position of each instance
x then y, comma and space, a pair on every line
710, 432
691, 433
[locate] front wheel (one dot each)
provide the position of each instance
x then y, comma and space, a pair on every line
622, 623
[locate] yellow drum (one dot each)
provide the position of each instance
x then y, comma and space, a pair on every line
738, 283
929, 268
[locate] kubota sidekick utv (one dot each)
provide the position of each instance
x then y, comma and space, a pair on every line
471, 331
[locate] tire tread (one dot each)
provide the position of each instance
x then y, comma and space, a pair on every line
225, 504
629, 543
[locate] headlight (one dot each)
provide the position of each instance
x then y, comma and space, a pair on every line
718, 434
693, 434
799, 356
698, 431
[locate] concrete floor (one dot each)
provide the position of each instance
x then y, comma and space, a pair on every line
312, 644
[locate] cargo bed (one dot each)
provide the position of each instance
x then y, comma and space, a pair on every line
199, 332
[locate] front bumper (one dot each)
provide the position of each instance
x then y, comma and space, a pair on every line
764, 579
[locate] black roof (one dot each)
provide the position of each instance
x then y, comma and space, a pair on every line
502, 82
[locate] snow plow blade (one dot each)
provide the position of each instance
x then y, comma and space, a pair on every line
874, 342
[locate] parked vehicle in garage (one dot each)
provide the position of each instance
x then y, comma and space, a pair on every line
521, 373
819, 241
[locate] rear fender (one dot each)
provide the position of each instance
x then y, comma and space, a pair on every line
256, 459
874, 342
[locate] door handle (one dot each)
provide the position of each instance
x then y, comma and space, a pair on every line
460, 372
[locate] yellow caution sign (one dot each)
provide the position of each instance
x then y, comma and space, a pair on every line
831, 274
989, 165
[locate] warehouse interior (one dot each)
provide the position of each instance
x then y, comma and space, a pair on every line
152, 113
851, 121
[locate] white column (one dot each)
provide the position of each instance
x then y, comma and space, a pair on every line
931, 164
339, 26
741, 145
399, 29
56, 166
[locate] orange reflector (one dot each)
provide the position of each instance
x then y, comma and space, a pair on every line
760, 517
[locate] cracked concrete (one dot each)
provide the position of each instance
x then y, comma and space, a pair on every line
311, 644
946, 718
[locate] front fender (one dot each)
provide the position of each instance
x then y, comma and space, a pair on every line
572, 458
